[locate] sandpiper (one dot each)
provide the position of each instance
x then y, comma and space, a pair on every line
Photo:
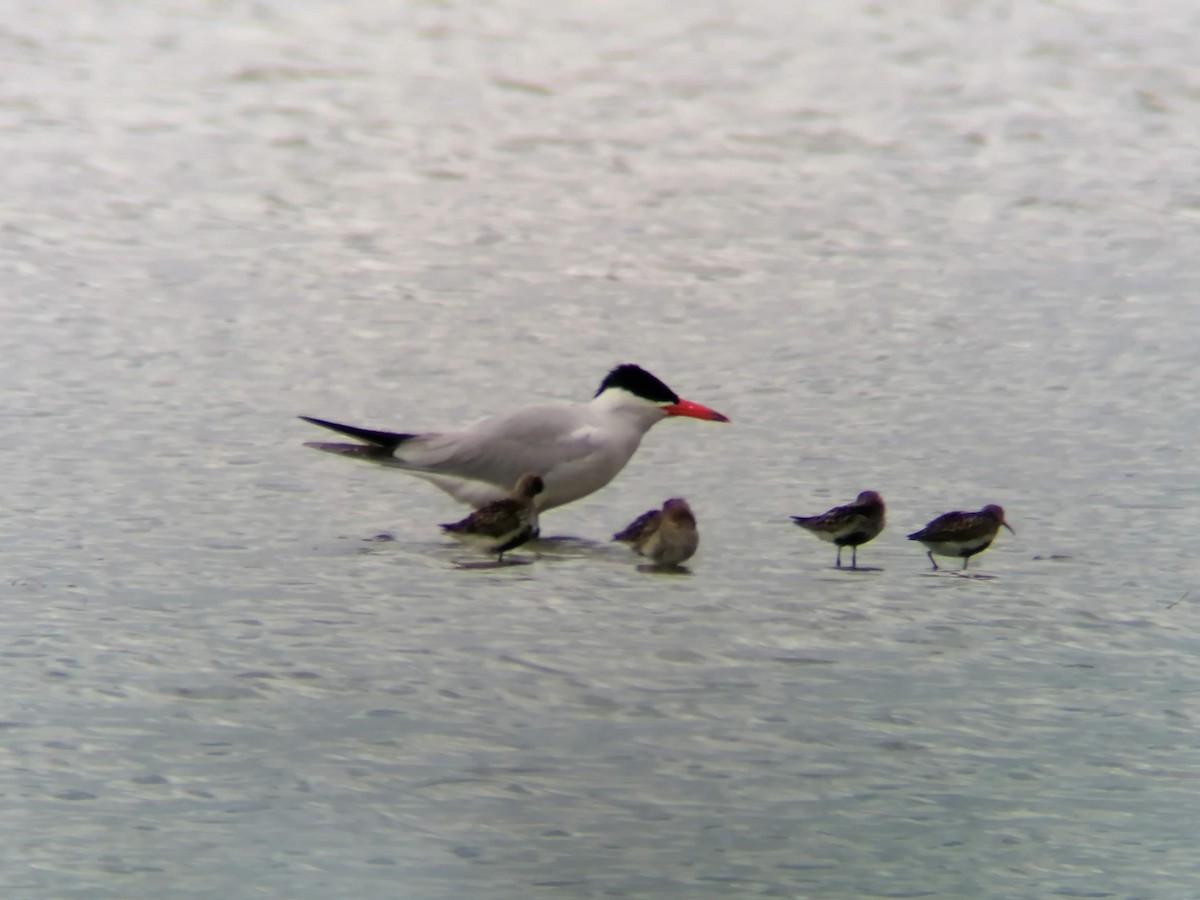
502, 525
961, 533
667, 536
849, 525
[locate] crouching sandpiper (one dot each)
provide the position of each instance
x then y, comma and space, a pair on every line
667, 536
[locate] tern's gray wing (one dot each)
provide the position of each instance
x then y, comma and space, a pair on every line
574, 450
546, 440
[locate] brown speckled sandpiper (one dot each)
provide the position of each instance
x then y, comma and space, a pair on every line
667, 536
502, 525
848, 526
961, 534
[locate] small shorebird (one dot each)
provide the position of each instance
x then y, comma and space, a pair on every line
961, 533
667, 536
502, 525
577, 448
848, 526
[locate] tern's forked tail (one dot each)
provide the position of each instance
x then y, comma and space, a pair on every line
357, 451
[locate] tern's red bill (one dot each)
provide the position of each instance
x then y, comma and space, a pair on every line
694, 410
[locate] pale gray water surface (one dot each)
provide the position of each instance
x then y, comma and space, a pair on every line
945, 250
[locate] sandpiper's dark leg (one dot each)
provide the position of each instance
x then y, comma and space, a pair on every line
838, 564
931, 559
966, 559
854, 557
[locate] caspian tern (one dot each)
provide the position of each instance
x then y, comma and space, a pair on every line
667, 536
961, 534
502, 525
576, 448
848, 526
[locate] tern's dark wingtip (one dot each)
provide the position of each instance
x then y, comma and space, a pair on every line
384, 440
320, 423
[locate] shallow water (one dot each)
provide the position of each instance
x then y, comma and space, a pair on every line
945, 252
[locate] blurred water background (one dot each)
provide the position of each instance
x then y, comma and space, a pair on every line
944, 249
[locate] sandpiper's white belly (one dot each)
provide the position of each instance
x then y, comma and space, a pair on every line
957, 548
